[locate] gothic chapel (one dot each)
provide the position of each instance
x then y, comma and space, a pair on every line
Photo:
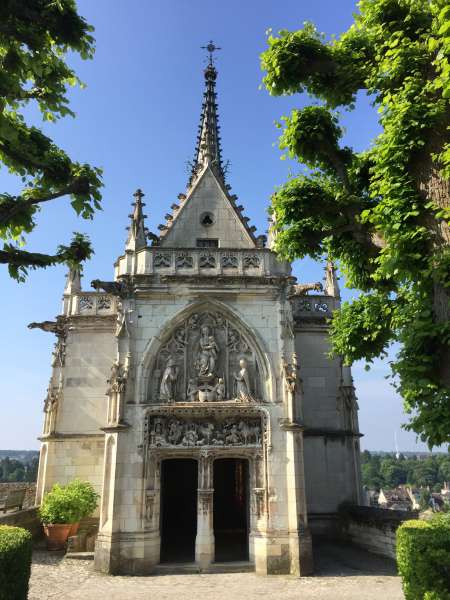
195, 392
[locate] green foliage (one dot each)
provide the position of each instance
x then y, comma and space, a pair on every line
389, 472
12, 470
384, 214
34, 39
423, 559
83, 497
15, 562
69, 503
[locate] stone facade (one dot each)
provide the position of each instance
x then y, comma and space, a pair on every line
202, 349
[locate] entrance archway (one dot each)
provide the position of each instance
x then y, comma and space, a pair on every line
179, 482
231, 509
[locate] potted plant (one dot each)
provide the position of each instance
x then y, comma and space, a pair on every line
62, 509
84, 499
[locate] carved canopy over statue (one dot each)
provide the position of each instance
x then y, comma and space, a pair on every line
206, 359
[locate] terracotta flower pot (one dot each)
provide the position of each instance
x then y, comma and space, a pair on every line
74, 528
56, 535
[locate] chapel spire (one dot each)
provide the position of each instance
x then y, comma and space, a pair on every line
137, 234
208, 150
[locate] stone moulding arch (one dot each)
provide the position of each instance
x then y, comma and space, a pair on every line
156, 342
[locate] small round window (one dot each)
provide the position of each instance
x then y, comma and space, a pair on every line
207, 219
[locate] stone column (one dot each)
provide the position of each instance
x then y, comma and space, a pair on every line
204, 541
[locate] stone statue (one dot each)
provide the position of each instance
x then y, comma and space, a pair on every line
290, 372
220, 390
242, 382
169, 381
192, 390
207, 353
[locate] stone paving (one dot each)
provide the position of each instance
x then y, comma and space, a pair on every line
342, 573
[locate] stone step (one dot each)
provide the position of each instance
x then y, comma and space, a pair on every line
230, 567
217, 567
80, 555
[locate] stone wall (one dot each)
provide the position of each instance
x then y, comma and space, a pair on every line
373, 529
30, 493
27, 518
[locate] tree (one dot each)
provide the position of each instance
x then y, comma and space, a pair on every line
444, 469
383, 214
393, 472
35, 37
425, 473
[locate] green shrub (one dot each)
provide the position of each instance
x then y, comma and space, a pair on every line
15, 562
423, 558
69, 503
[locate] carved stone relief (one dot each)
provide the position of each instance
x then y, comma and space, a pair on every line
205, 359
168, 431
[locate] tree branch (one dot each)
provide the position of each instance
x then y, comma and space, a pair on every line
9, 211
21, 258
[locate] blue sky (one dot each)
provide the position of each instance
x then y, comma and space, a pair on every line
137, 119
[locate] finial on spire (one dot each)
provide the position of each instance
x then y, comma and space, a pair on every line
73, 281
137, 234
331, 280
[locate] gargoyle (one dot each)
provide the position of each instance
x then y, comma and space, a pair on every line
118, 288
50, 326
153, 238
301, 289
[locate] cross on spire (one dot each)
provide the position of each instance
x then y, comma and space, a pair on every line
211, 48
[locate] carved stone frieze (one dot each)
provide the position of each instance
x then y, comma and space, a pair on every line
104, 302
207, 261
205, 359
85, 303
162, 259
229, 261
251, 260
170, 431
184, 260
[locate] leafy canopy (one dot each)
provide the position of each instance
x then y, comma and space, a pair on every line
35, 37
383, 213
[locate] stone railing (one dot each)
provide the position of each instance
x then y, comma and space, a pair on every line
315, 306
93, 303
202, 261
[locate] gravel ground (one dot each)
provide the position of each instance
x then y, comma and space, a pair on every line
342, 573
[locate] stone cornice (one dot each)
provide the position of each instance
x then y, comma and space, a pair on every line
330, 433
56, 436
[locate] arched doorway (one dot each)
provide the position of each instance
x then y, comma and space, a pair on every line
231, 509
